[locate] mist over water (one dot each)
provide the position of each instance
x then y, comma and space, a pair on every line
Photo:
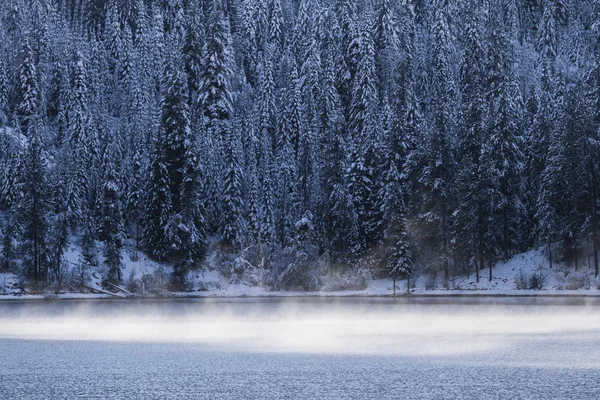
362, 338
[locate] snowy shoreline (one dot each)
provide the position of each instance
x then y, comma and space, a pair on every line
261, 293
510, 279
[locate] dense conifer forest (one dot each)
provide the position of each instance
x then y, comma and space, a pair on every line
287, 135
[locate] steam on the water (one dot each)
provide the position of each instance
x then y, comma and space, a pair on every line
335, 328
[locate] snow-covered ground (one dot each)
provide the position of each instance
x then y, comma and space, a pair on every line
513, 277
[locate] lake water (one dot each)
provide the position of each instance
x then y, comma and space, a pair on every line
405, 348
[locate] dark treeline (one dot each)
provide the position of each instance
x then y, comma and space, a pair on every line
442, 134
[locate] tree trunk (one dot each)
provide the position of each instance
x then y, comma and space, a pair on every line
491, 265
394, 289
587, 248
408, 284
479, 264
595, 222
595, 255
505, 234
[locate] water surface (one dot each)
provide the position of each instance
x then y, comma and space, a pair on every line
411, 348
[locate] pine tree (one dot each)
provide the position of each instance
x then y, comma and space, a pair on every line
547, 40
65, 215
8, 201
231, 220
112, 225
434, 159
4, 88
216, 108
276, 25
113, 39
285, 173
214, 95
472, 214
175, 127
33, 207
78, 101
387, 46
363, 128
186, 230
592, 163
254, 215
332, 171
94, 16
158, 200
192, 52
398, 257
29, 102
135, 193
502, 153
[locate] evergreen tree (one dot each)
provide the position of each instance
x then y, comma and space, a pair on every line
231, 220
187, 229
398, 257
29, 101
472, 216
8, 201
363, 125
33, 207
214, 94
175, 130
215, 101
502, 153
112, 225
192, 52
158, 200
434, 161
332, 170
4, 88
387, 45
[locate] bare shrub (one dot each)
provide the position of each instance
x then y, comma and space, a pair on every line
521, 280
537, 280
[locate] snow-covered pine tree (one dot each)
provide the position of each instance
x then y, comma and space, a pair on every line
158, 208
276, 26
4, 88
65, 215
113, 39
216, 107
592, 162
8, 201
232, 206
29, 92
434, 159
472, 213
33, 206
135, 196
386, 34
547, 39
361, 173
112, 224
398, 256
332, 224
175, 130
192, 52
503, 156
190, 229
254, 230
78, 119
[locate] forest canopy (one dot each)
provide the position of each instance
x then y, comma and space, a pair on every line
442, 135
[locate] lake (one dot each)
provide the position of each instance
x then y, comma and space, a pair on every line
307, 348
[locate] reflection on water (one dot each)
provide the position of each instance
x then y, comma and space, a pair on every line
263, 348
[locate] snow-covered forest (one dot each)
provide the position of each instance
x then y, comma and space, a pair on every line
297, 137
